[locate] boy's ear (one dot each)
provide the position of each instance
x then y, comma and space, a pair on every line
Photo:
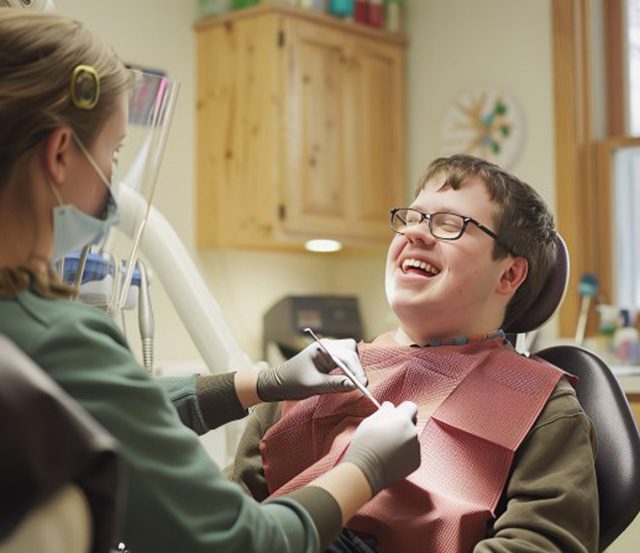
56, 154
513, 276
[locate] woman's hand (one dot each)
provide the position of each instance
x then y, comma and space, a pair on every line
385, 446
307, 374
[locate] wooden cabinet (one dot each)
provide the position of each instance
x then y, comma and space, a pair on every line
301, 129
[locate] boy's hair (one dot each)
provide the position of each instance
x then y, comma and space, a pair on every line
38, 54
522, 221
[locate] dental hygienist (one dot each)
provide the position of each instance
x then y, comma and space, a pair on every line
63, 114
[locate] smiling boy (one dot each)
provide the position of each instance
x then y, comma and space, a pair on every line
507, 452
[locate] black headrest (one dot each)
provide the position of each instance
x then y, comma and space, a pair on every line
550, 297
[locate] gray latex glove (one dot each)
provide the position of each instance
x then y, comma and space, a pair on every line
306, 374
385, 445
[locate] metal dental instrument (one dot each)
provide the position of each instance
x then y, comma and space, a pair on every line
346, 371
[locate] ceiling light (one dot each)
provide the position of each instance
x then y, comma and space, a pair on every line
323, 245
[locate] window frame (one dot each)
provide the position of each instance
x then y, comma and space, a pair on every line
576, 193
584, 171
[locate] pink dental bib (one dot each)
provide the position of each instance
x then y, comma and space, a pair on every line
476, 403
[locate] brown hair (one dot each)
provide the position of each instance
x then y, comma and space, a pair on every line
38, 54
523, 222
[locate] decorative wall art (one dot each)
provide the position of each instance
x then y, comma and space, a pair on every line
486, 123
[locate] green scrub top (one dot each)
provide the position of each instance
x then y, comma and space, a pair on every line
175, 498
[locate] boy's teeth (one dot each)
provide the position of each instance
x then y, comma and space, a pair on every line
426, 267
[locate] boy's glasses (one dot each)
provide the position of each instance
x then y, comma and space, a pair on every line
442, 225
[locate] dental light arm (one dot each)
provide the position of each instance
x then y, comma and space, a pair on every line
190, 296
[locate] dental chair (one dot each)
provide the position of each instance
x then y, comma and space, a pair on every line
58, 468
598, 391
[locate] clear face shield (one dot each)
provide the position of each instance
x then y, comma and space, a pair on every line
106, 273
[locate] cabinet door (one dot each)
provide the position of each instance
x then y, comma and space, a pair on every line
377, 136
238, 117
315, 167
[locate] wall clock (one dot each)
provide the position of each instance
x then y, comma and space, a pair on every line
486, 123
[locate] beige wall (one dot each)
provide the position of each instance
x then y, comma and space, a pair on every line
455, 44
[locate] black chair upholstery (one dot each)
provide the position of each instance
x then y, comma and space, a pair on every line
618, 457
47, 441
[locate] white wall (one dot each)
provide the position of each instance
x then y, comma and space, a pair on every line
454, 45
457, 45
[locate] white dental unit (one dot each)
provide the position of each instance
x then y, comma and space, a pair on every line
199, 311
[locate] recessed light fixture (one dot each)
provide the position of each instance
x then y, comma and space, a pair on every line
323, 246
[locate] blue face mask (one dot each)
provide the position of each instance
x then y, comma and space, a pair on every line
73, 228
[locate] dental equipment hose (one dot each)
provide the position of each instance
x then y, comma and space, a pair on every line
145, 318
82, 263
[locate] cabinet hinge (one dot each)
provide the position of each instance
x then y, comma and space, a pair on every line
281, 39
282, 212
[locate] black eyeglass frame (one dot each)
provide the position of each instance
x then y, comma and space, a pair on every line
428, 217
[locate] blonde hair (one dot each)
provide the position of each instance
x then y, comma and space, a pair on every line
38, 54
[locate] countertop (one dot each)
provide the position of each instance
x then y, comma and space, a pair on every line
629, 378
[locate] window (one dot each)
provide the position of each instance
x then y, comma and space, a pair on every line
626, 227
624, 164
597, 195
633, 66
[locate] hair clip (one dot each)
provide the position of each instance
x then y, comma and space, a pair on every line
85, 87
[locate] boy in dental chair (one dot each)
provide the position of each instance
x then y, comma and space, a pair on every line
507, 452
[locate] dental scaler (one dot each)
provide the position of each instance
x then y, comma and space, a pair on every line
346, 371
